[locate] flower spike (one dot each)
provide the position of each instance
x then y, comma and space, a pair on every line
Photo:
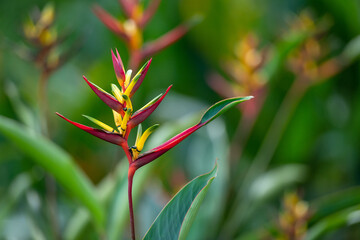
212, 113
99, 133
140, 115
106, 98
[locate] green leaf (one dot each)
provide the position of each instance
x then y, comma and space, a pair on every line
17, 188
282, 50
333, 203
275, 181
175, 219
338, 220
57, 162
24, 113
351, 51
220, 107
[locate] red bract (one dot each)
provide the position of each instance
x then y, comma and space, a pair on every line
102, 134
141, 78
112, 23
108, 99
118, 67
142, 114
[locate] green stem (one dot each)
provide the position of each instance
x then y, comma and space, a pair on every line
276, 130
43, 101
50, 184
265, 153
131, 173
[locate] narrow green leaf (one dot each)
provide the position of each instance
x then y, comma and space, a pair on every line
23, 112
17, 188
175, 219
220, 107
333, 203
282, 50
275, 181
351, 51
333, 222
57, 162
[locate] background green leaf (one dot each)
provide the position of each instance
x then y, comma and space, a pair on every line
55, 161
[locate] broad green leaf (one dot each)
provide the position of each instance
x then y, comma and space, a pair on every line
57, 162
334, 203
338, 220
220, 107
175, 219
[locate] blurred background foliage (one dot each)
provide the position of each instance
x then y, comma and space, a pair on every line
303, 132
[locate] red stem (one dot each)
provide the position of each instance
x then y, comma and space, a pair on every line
131, 173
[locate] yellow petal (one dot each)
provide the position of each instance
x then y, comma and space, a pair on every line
151, 102
47, 16
117, 119
101, 124
128, 102
139, 133
134, 81
117, 93
127, 77
141, 142
124, 122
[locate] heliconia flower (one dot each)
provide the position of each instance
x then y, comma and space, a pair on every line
40, 31
125, 121
121, 106
212, 113
131, 29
